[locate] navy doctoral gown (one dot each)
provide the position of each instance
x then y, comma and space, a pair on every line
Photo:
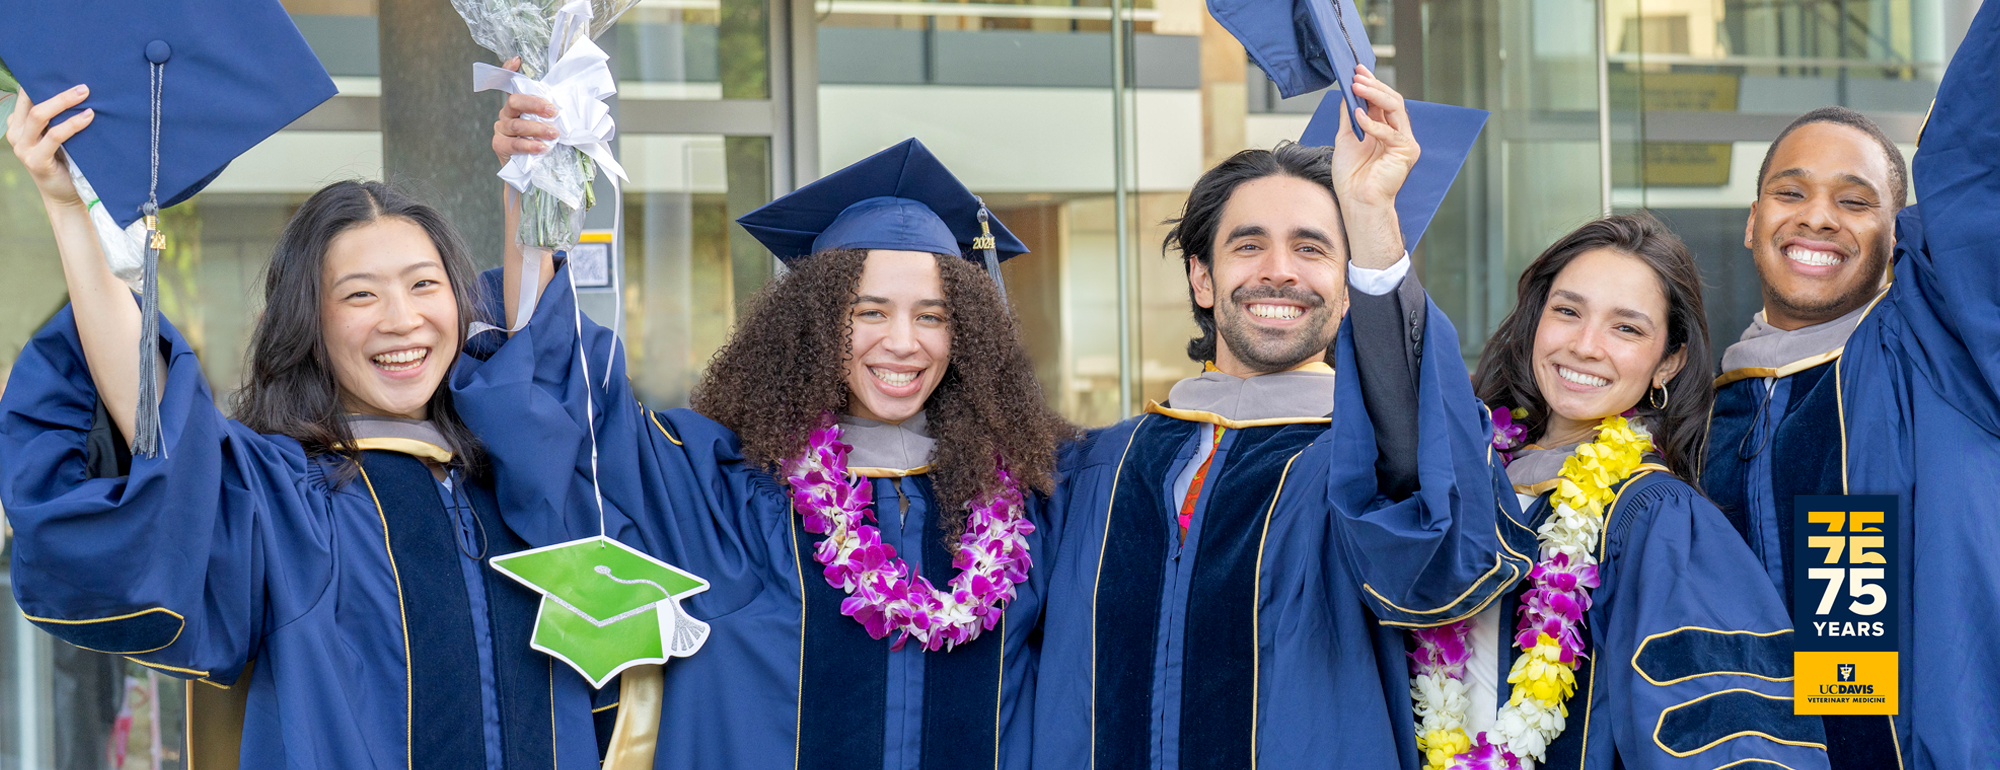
351, 596
784, 679
1690, 650
1920, 383
1770, 440
1272, 634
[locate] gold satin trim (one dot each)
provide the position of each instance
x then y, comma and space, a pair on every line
1649, 640
1920, 145
889, 473
1514, 575
1542, 488
1787, 370
1192, 415
422, 450
402, 614
115, 618
1804, 363
174, 669
1498, 561
1257, 606
1097, 580
1309, 366
1730, 737
663, 429
637, 731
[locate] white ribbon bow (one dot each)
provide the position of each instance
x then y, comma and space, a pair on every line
578, 80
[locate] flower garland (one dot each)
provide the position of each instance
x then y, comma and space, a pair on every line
883, 593
1552, 612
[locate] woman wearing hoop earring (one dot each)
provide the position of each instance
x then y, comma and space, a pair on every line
1647, 635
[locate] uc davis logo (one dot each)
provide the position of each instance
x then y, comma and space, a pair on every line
1846, 565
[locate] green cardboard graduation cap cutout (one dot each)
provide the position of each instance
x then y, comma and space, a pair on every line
607, 607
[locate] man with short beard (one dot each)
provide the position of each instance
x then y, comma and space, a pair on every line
1843, 386
1231, 576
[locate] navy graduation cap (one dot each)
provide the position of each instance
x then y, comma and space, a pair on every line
180, 88
1303, 45
1444, 132
230, 73
900, 198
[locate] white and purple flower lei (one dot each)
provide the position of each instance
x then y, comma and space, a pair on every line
883, 594
1552, 612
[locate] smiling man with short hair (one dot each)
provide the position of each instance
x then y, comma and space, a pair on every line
1848, 383
1231, 573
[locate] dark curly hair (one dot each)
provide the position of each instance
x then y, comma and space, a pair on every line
1506, 374
786, 366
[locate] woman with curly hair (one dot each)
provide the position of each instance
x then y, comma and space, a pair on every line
860, 481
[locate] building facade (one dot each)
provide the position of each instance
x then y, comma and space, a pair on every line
1082, 123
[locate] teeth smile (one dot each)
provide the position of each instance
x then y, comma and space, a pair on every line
1279, 312
1805, 256
402, 360
896, 379
1582, 379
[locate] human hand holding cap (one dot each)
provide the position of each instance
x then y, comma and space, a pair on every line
1370, 171
39, 146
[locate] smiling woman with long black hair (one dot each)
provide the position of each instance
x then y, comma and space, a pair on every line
322, 552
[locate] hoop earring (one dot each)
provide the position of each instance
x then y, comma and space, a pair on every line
1659, 403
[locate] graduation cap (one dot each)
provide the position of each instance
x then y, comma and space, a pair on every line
180, 88
606, 607
1302, 45
1443, 131
901, 198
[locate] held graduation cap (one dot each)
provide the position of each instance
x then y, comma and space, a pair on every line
901, 198
1303, 45
180, 88
1445, 134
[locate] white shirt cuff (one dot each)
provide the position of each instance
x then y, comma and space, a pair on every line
1376, 283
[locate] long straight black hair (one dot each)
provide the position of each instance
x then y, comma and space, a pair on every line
1506, 375
290, 387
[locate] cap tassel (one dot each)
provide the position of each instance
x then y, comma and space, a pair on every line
146, 433
984, 245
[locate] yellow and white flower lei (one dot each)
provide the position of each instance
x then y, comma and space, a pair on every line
1543, 680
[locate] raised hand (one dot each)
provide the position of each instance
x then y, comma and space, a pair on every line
1371, 171
1367, 173
514, 134
39, 146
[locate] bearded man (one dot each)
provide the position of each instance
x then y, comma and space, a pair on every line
1232, 576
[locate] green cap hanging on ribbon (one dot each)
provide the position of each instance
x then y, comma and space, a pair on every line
607, 607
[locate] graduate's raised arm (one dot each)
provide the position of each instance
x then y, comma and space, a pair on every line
1945, 248
513, 135
107, 319
1411, 481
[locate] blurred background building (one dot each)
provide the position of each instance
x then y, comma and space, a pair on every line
1081, 122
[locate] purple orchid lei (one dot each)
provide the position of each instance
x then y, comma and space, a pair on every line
1508, 435
1551, 614
883, 594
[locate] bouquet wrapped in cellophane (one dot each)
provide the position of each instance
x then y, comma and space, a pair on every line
559, 63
